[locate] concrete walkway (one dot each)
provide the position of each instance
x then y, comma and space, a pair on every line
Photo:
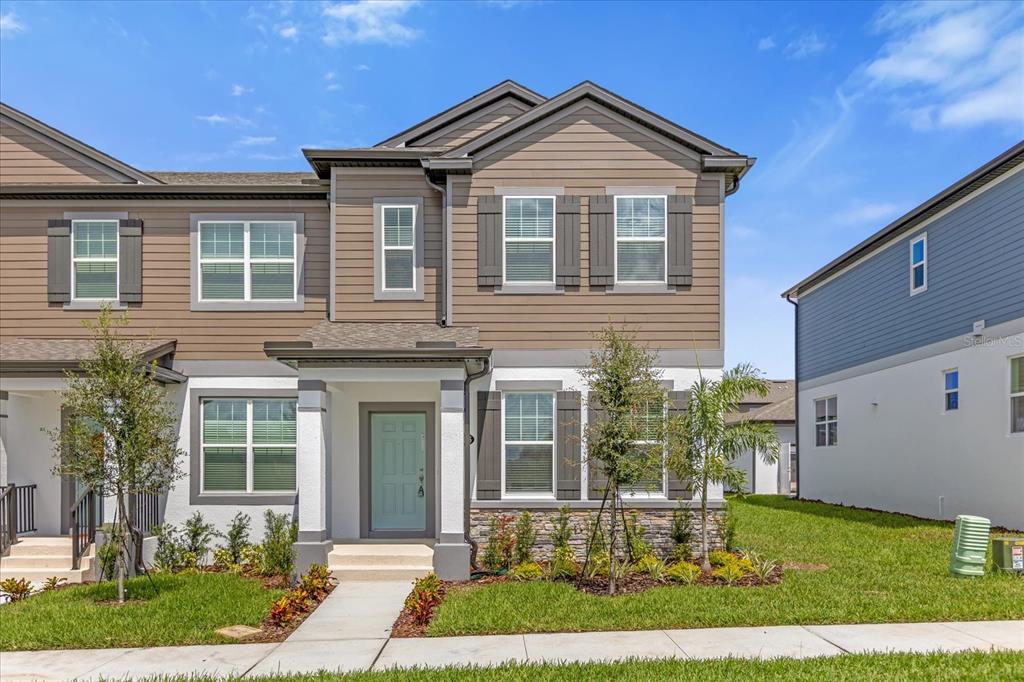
321, 646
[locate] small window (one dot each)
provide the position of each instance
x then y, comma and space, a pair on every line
529, 228
248, 446
94, 259
1017, 395
640, 228
651, 423
951, 377
399, 245
529, 443
919, 264
247, 261
826, 422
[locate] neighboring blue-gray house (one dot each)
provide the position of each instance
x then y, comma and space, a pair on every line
910, 358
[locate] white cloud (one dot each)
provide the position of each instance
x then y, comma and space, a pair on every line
231, 119
239, 90
9, 24
811, 137
867, 212
951, 65
254, 141
331, 87
744, 232
766, 43
805, 45
362, 67
368, 21
288, 31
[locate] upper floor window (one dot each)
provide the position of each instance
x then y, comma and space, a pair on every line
640, 228
1017, 395
919, 264
529, 228
951, 377
399, 246
94, 259
528, 425
247, 260
248, 446
826, 422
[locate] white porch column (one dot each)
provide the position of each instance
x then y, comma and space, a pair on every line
3, 437
311, 457
451, 553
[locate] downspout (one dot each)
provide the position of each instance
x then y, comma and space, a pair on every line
447, 316
467, 440
796, 386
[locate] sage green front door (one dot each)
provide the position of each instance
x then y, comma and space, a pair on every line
398, 468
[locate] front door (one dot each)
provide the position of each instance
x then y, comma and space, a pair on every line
398, 473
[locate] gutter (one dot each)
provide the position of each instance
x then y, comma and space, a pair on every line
447, 232
796, 386
467, 439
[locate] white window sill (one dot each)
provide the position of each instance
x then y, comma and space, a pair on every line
256, 306
95, 305
645, 288
521, 289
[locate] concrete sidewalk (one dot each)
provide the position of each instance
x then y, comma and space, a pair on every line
325, 652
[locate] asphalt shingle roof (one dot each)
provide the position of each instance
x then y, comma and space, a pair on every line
387, 335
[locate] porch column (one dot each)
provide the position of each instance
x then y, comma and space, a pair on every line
313, 544
451, 553
3, 437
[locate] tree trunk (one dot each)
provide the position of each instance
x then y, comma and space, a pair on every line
611, 544
122, 545
706, 562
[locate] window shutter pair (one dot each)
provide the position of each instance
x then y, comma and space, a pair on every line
58, 261
490, 241
489, 445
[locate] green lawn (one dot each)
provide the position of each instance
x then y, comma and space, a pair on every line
888, 667
178, 609
882, 568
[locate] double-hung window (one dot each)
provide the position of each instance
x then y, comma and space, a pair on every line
529, 228
826, 422
248, 446
399, 246
951, 389
94, 259
247, 260
919, 264
650, 452
1017, 395
528, 424
640, 249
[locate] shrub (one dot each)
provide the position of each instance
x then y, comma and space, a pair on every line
729, 529
426, 594
729, 574
288, 608
237, 537
501, 543
252, 558
760, 566
54, 583
683, 572
222, 559
16, 588
563, 530
636, 545
316, 582
106, 555
189, 562
721, 558
525, 536
197, 535
682, 534
682, 553
652, 566
279, 535
169, 548
527, 570
563, 564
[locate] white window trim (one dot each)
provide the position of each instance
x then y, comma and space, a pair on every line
833, 420
663, 239
247, 262
249, 456
1012, 395
947, 391
524, 240
96, 259
384, 248
649, 493
554, 448
923, 237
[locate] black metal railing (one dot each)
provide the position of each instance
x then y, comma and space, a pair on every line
144, 512
82, 525
25, 502
17, 513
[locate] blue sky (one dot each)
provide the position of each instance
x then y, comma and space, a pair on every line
857, 112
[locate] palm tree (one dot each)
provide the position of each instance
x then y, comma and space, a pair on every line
703, 441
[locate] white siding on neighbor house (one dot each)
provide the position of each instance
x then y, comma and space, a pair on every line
899, 450
762, 477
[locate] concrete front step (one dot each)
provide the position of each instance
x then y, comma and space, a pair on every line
38, 576
372, 573
38, 558
367, 561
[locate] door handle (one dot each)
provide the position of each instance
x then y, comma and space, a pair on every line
420, 492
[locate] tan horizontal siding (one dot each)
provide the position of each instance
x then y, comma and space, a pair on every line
354, 197
465, 129
164, 311
26, 160
584, 153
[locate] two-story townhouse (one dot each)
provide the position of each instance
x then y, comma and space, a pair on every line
388, 347
910, 358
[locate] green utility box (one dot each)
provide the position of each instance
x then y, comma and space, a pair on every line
1008, 554
970, 546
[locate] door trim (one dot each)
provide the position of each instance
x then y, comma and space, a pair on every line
365, 410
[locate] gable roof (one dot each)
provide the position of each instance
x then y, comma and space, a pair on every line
965, 186
117, 168
506, 88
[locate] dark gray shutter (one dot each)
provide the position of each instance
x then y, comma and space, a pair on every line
678, 489
568, 444
567, 241
129, 233
489, 246
488, 448
58, 261
680, 240
602, 240
596, 480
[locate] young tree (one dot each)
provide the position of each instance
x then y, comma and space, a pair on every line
120, 436
703, 441
624, 441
